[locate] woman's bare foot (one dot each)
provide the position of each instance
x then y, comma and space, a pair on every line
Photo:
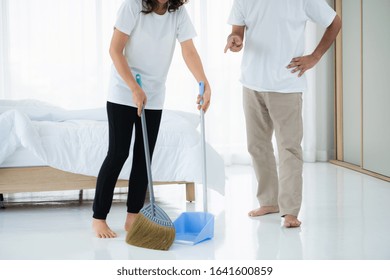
291, 221
263, 210
130, 218
102, 230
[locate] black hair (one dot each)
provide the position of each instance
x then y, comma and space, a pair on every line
150, 6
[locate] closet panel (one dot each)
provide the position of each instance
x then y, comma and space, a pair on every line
351, 73
376, 86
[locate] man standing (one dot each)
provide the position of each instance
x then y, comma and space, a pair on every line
272, 75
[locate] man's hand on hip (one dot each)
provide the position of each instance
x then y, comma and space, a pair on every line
302, 64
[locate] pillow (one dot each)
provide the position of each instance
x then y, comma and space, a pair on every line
34, 109
41, 111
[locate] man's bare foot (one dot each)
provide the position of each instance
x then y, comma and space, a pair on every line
263, 210
102, 230
291, 221
130, 218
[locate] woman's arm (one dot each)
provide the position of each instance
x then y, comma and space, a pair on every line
194, 64
118, 43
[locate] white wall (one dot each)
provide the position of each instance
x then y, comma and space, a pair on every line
318, 106
325, 89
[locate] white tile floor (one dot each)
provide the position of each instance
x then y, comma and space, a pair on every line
345, 215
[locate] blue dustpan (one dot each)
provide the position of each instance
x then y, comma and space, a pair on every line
194, 227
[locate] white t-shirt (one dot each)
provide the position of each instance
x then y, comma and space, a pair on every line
148, 51
275, 34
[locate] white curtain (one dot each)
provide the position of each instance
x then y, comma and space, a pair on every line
57, 51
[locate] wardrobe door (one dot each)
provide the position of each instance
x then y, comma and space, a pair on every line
376, 86
351, 73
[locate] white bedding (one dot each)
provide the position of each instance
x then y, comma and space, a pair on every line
22, 157
76, 141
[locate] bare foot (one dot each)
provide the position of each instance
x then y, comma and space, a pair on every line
263, 210
102, 230
130, 218
291, 221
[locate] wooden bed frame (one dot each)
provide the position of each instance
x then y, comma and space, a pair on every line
45, 178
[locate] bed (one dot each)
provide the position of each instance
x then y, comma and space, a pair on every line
45, 147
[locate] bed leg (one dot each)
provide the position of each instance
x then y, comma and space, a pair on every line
2, 206
190, 192
81, 192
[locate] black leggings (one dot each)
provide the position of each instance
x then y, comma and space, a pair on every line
121, 120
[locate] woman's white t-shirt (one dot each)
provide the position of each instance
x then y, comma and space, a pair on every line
149, 50
275, 34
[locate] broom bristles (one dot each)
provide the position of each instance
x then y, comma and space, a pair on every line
147, 234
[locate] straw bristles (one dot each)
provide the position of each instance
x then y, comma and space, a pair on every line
147, 234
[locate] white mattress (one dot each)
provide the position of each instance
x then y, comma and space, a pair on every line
34, 133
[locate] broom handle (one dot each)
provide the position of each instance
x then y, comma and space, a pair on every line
203, 146
147, 152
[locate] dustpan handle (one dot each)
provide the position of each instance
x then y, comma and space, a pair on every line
146, 149
203, 147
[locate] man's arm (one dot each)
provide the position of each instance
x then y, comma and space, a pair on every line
235, 39
304, 63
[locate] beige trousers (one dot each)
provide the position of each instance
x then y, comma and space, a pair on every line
265, 113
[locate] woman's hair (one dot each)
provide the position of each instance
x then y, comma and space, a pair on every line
150, 6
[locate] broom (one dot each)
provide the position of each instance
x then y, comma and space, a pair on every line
152, 228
